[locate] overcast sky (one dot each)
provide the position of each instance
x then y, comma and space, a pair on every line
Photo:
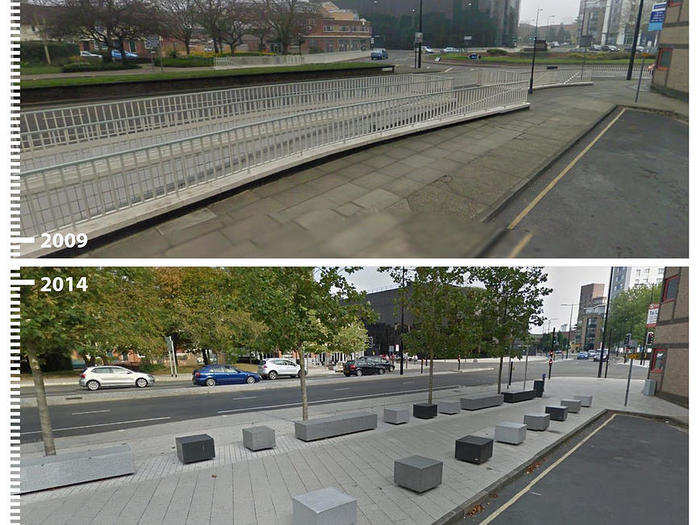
563, 10
566, 282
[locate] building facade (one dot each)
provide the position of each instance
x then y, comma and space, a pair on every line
338, 29
612, 22
625, 278
669, 362
588, 330
671, 74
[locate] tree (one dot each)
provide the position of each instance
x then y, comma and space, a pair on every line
234, 23
301, 306
259, 21
512, 302
349, 339
290, 20
43, 15
628, 312
210, 15
180, 17
114, 311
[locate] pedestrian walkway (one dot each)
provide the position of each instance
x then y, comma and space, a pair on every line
240, 486
423, 195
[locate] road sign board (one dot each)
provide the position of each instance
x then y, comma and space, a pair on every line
652, 315
657, 17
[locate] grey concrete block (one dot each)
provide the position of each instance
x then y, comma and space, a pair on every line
474, 449
49, 472
557, 413
449, 407
536, 421
191, 449
649, 388
396, 416
337, 425
509, 432
258, 438
586, 401
417, 473
327, 506
479, 401
574, 405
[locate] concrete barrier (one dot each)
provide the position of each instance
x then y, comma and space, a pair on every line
449, 407
479, 401
331, 426
327, 506
537, 422
396, 416
517, 397
258, 438
509, 432
49, 472
586, 401
417, 473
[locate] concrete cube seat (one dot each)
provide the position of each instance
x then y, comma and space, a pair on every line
510, 432
417, 473
574, 405
258, 438
449, 407
396, 416
49, 472
479, 401
536, 421
474, 449
586, 401
327, 506
337, 425
424, 410
557, 413
191, 449
518, 396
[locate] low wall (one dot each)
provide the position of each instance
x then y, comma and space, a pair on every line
288, 60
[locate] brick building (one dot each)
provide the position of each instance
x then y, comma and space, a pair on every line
669, 362
589, 320
671, 72
338, 29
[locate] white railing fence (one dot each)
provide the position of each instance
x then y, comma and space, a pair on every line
289, 60
68, 194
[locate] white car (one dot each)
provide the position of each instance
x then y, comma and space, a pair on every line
275, 367
96, 377
451, 50
88, 54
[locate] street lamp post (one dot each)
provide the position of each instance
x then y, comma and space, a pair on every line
420, 30
571, 315
634, 40
534, 47
605, 326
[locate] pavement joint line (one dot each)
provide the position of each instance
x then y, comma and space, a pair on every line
98, 425
562, 173
551, 467
519, 247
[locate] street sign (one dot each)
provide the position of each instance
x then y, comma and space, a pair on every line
652, 315
657, 17
418, 38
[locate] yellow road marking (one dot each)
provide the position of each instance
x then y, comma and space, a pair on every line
566, 170
523, 242
544, 473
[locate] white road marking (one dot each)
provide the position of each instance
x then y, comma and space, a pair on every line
346, 388
88, 412
98, 425
448, 69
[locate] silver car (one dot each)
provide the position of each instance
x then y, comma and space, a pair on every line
96, 377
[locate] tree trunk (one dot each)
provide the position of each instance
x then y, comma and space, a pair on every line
302, 384
41, 404
430, 381
500, 373
121, 50
205, 356
46, 53
187, 47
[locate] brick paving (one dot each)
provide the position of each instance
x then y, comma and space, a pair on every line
256, 488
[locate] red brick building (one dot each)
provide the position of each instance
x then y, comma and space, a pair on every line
338, 30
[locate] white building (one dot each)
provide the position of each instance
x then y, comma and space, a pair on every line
625, 277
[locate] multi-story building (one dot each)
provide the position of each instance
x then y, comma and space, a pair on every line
669, 362
671, 72
625, 278
588, 330
612, 22
338, 29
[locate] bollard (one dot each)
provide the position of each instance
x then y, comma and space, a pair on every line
550, 368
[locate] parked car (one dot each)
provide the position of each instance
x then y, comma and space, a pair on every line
473, 56
276, 367
451, 50
582, 355
379, 54
96, 377
211, 375
596, 356
383, 362
362, 366
116, 55
88, 54
427, 49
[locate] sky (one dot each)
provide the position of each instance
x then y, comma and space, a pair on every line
564, 11
565, 280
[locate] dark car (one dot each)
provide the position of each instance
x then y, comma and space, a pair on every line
379, 54
211, 375
383, 362
362, 366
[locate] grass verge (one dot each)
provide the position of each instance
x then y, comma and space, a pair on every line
179, 75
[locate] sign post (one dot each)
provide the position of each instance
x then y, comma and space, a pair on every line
657, 17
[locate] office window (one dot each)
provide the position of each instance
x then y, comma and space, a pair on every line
663, 61
670, 288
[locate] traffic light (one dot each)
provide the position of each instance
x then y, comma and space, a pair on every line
650, 338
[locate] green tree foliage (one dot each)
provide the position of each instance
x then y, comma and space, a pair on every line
628, 312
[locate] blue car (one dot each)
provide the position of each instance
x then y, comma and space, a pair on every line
116, 55
582, 355
379, 54
211, 375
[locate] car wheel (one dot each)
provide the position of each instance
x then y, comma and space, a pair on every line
210, 382
381, 371
250, 380
359, 373
272, 375
141, 382
93, 385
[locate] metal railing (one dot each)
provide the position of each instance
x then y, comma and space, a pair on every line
613, 70
559, 77
67, 194
46, 129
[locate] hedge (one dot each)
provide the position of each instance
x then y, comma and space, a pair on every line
191, 61
33, 52
77, 67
